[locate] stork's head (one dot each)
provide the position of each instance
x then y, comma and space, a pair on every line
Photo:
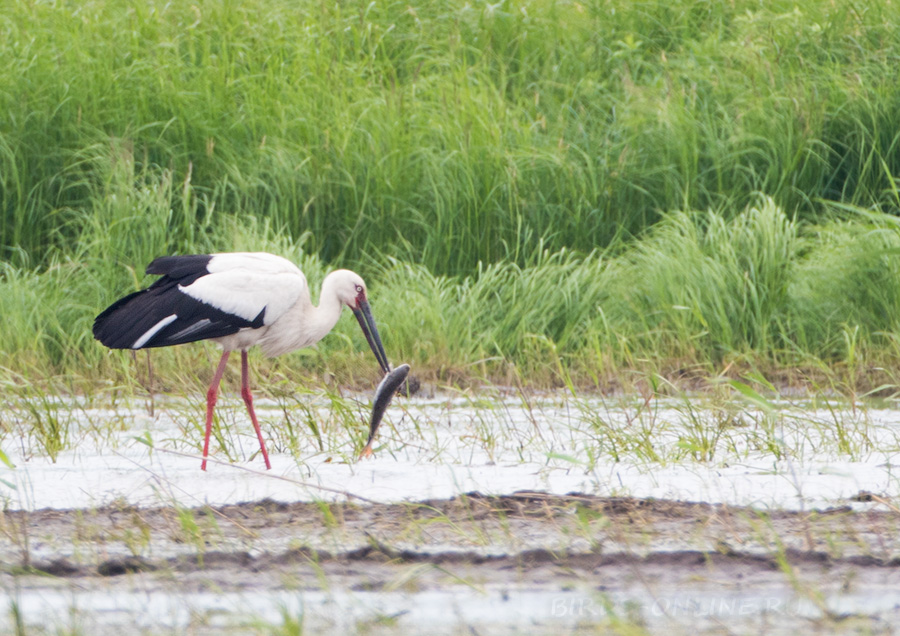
349, 287
351, 291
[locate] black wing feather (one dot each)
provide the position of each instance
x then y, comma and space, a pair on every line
124, 322
184, 269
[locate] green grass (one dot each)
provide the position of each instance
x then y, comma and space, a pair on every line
443, 134
696, 296
537, 192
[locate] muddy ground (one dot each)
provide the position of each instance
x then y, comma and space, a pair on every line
594, 563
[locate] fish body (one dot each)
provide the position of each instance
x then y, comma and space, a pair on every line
383, 394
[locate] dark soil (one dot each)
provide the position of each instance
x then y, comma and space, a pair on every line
529, 539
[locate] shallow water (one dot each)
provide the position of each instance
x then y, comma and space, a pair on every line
461, 610
438, 448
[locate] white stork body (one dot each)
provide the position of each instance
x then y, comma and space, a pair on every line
244, 284
237, 300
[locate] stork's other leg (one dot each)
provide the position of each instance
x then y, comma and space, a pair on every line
248, 400
211, 403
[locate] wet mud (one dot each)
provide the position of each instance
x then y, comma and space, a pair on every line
599, 547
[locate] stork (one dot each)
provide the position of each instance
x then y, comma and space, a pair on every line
237, 300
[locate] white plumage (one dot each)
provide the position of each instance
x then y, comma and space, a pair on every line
244, 284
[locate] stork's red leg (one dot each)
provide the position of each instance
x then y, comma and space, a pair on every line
211, 403
248, 400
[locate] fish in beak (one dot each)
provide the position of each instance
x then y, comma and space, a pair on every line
383, 394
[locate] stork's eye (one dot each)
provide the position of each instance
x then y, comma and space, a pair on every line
359, 289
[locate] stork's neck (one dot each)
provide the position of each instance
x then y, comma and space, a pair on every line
304, 324
323, 318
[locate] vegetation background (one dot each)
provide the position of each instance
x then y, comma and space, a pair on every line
537, 191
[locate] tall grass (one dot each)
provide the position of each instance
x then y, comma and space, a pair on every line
703, 286
547, 189
697, 290
446, 134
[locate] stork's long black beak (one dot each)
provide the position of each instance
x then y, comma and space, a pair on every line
367, 323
